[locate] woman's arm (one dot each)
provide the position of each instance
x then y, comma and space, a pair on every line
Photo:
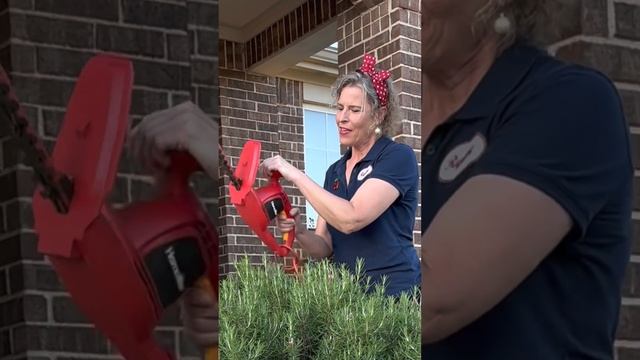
372, 198
394, 173
484, 241
317, 244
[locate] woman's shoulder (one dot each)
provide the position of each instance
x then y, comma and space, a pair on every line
400, 149
558, 75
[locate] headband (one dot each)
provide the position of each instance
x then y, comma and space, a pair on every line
378, 78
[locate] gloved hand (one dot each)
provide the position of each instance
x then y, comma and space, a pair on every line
199, 313
183, 127
286, 224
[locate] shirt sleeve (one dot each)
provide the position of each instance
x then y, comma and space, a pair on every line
398, 166
568, 139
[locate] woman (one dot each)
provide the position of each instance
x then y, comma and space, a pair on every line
367, 206
527, 179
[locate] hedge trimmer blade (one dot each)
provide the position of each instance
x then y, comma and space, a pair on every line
57, 187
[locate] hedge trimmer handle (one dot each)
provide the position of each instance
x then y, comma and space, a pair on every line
211, 353
289, 236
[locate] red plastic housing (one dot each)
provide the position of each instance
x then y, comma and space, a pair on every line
98, 251
254, 205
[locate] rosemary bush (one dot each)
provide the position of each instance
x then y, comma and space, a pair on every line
324, 314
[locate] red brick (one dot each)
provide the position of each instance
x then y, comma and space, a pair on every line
162, 75
61, 61
141, 42
20, 4
636, 195
5, 57
619, 63
59, 338
631, 284
178, 47
141, 189
208, 100
23, 58
120, 192
594, 17
628, 353
635, 240
4, 289
406, 31
207, 42
203, 72
351, 54
52, 31
11, 312
42, 91
98, 9
635, 150
152, 13
629, 325
33, 277
187, 347
203, 14
405, 59
234, 93
567, 23
631, 104
66, 311
5, 343
145, 102
627, 21
19, 215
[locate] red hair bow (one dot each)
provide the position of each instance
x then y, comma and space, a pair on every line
378, 78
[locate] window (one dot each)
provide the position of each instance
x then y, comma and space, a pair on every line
321, 148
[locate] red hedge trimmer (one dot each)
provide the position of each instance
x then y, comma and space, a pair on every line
258, 207
123, 267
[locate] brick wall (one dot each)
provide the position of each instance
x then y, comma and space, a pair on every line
605, 34
44, 44
390, 30
289, 29
263, 108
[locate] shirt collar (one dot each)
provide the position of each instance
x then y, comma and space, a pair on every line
373, 153
504, 75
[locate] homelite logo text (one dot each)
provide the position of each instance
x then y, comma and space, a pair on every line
177, 274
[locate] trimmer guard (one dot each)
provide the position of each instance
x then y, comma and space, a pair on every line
88, 149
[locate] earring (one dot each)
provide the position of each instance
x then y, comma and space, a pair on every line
502, 25
378, 131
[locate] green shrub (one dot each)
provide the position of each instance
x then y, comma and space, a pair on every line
324, 314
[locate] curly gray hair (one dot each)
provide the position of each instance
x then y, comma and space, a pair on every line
525, 17
391, 122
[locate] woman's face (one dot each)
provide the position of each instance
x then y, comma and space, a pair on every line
446, 29
353, 117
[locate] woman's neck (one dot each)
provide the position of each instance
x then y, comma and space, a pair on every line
449, 86
359, 151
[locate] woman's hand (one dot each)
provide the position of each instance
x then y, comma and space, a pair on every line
200, 317
183, 127
287, 224
277, 163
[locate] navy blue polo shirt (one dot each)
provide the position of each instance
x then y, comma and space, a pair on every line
385, 245
559, 128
